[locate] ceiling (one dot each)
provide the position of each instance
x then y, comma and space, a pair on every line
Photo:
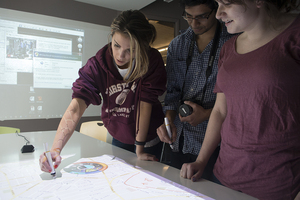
119, 5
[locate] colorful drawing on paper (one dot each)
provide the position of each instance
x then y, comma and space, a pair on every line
85, 168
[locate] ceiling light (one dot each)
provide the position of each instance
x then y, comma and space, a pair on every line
163, 49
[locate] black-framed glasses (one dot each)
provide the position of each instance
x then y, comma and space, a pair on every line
198, 18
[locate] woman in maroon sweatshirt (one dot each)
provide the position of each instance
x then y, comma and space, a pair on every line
126, 76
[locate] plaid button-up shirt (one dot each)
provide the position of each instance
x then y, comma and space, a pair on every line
194, 79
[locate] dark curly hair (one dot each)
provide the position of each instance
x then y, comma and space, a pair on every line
210, 3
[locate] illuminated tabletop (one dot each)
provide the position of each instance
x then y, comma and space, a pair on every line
82, 146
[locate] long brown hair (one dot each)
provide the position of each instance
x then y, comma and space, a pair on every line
279, 5
141, 33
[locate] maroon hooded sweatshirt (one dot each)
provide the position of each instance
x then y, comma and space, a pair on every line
100, 82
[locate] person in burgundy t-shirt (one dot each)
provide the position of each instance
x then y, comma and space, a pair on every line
257, 112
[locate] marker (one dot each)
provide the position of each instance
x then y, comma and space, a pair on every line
168, 130
48, 155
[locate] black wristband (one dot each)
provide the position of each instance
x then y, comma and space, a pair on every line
139, 143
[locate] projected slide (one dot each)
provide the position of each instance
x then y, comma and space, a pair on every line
52, 55
33, 59
39, 60
104, 177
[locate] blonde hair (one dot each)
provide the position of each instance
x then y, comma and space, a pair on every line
141, 33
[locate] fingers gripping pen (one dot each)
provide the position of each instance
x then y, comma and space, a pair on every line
49, 158
168, 130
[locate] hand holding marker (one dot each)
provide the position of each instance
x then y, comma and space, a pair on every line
48, 155
168, 130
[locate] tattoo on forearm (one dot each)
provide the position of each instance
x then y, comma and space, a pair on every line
65, 128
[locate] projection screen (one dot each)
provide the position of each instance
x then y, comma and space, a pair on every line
39, 60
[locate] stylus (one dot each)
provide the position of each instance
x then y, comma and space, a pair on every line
168, 130
48, 155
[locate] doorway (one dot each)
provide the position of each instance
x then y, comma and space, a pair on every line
165, 34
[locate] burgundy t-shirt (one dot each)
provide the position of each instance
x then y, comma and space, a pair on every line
260, 147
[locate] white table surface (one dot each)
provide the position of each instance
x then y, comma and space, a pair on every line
84, 147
